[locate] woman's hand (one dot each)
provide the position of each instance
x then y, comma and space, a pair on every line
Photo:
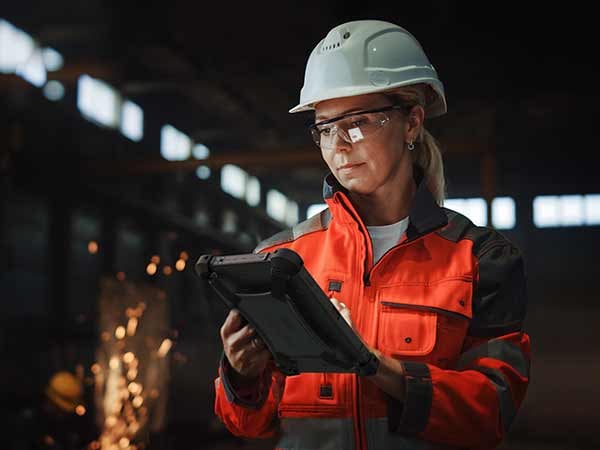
246, 352
344, 311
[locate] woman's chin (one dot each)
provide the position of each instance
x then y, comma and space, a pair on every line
357, 186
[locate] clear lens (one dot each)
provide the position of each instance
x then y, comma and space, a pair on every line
352, 129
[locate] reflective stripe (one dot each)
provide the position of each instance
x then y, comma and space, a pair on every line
497, 349
379, 438
317, 222
507, 407
316, 434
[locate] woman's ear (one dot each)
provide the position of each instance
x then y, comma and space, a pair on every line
414, 123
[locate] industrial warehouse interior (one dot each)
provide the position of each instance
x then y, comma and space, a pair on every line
137, 136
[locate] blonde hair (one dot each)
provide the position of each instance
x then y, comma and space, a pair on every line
427, 153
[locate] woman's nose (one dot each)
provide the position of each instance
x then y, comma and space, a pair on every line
342, 140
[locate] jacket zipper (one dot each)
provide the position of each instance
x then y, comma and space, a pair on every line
367, 277
366, 238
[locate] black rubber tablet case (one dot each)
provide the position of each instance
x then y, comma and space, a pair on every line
294, 317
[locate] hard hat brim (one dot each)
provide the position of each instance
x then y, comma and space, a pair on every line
437, 108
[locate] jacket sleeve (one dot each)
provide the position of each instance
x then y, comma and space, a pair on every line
473, 405
249, 412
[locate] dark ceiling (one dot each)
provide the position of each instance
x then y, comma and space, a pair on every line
226, 73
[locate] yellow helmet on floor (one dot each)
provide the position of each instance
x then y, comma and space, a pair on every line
65, 390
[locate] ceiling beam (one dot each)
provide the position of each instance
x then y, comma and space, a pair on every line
288, 158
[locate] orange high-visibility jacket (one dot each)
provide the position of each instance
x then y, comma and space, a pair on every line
448, 301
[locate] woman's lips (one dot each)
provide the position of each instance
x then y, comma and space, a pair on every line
348, 167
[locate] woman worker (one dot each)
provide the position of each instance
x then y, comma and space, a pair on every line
440, 301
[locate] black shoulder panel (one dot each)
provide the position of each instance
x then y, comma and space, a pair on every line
500, 295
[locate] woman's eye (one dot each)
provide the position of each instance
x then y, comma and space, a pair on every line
326, 131
361, 121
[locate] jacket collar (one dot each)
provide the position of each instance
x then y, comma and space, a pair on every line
425, 214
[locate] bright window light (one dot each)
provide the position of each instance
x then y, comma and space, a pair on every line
276, 205
16, 47
54, 90
200, 151
592, 209
233, 180
253, 191
132, 121
473, 208
572, 210
33, 69
291, 213
315, 209
174, 145
203, 172
229, 224
546, 211
52, 59
503, 213
563, 210
98, 101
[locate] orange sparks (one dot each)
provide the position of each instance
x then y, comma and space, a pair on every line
164, 348
93, 247
180, 265
120, 332
151, 269
132, 324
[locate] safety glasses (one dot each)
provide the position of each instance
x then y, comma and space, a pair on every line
352, 127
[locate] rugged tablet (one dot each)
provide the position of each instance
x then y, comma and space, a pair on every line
294, 317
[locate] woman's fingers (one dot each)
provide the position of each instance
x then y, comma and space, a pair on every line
344, 311
233, 322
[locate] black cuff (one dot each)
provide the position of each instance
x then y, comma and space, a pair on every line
232, 395
411, 416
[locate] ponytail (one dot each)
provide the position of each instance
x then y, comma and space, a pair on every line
427, 153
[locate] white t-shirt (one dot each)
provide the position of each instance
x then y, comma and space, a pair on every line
385, 237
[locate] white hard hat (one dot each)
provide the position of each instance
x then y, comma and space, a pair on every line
365, 57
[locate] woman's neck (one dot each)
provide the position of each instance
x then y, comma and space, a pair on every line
389, 204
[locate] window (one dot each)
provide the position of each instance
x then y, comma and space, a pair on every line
200, 151
473, 208
203, 172
276, 205
16, 47
592, 209
291, 213
253, 191
315, 209
233, 180
98, 101
132, 121
174, 145
503, 213
54, 90
566, 210
52, 59
33, 69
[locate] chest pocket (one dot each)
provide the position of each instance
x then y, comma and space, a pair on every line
405, 331
424, 321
